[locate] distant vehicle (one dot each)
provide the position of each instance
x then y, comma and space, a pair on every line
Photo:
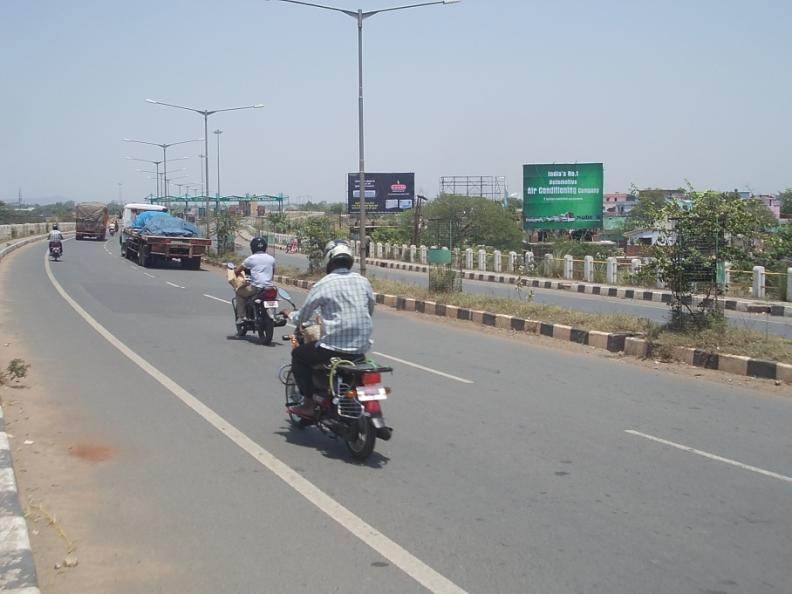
90, 220
130, 212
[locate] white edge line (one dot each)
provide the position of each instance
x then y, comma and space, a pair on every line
422, 368
390, 550
149, 275
174, 285
217, 298
715, 457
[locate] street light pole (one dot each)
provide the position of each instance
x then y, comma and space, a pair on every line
359, 15
206, 113
164, 147
217, 133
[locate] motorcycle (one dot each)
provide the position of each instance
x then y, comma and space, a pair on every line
55, 250
347, 398
262, 315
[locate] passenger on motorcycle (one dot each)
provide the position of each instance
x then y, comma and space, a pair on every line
345, 301
55, 237
262, 269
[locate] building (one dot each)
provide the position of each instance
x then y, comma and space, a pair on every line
619, 203
773, 203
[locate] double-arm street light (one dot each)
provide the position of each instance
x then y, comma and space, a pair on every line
206, 113
361, 15
164, 147
156, 164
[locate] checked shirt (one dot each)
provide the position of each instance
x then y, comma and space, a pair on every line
345, 301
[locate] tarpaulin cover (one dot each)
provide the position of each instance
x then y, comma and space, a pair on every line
158, 223
141, 220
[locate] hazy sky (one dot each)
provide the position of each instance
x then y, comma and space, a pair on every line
659, 91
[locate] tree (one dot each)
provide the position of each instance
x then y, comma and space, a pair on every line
765, 219
474, 221
642, 214
786, 202
314, 235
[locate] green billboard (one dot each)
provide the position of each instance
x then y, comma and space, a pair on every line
562, 196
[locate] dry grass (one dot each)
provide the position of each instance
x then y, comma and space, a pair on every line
731, 340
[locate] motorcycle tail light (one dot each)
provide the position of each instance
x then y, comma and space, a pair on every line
351, 393
372, 406
270, 294
370, 378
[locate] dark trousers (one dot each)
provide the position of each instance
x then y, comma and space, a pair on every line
305, 357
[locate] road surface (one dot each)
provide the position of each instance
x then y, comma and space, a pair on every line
513, 468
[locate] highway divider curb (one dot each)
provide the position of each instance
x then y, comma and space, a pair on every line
17, 567
15, 246
657, 296
614, 342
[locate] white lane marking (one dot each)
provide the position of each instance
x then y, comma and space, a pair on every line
13, 535
4, 445
690, 450
217, 298
422, 368
174, 285
149, 275
390, 550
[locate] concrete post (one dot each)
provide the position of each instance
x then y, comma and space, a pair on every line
548, 265
588, 269
456, 258
789, 285
423, 254
395, 252
569, 267
468, 259
759, 282
497, 261
413, 251
388, 251
512, 262
405, 251
612, 271
635, 266
482, 260
529, 262
727, 268
379, 249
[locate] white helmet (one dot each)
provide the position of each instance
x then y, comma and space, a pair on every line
338, 254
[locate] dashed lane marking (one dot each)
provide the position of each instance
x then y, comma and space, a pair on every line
217, 298
174, 285
715, 457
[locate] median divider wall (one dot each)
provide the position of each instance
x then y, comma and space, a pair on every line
655, 295
614, 342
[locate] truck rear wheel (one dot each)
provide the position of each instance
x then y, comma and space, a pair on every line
191, 263
142, 257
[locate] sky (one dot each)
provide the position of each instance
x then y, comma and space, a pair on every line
660, 92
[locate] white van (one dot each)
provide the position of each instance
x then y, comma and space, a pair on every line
131, 211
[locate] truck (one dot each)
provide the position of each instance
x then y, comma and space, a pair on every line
146, 248
90, 220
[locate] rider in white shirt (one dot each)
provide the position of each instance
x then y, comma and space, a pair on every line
55, 237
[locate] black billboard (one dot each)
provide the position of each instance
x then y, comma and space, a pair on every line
385, 192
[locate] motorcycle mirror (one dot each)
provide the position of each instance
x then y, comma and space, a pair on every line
230, 265
284, 294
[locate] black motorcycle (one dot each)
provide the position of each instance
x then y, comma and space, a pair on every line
262, 313
55, 250
347, 399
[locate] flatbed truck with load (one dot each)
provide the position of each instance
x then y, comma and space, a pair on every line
148, 248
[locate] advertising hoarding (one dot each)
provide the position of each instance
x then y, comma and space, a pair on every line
562, 196
385, 192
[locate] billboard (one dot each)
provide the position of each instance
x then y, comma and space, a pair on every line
385, 192
562, 196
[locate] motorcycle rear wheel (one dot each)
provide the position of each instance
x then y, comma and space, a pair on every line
363, 445
294, 398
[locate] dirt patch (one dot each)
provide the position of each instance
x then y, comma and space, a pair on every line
92, 452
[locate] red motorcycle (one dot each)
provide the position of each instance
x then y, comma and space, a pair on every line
262, 313
55, 250
347, 398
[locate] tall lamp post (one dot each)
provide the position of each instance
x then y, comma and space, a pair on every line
157, 164
206, 113
164, 147
217, 133
361, 15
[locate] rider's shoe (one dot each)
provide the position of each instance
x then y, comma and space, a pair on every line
306, 410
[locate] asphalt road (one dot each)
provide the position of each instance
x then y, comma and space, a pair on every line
657, 312
522, 478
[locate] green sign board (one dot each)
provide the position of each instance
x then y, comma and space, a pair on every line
562, 196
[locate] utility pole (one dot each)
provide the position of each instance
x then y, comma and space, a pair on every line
417, 218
